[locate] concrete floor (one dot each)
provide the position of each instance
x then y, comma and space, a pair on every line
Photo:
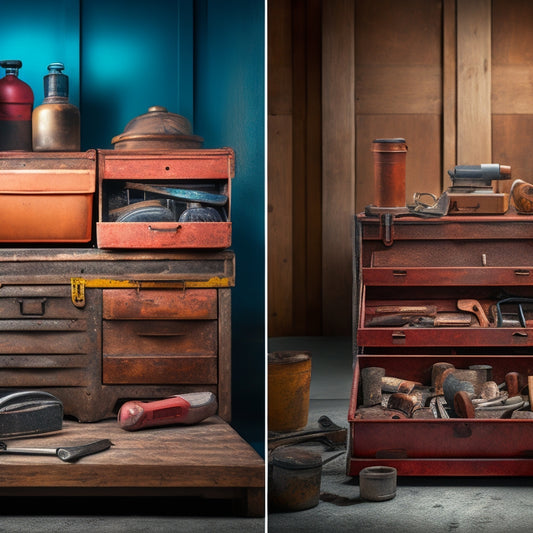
421, 505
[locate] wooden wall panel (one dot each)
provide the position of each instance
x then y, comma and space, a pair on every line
295, 171
398, 91
280, 169
473, 82
512, 87
307, 167
338, 164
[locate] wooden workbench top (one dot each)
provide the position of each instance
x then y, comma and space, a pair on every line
209, 454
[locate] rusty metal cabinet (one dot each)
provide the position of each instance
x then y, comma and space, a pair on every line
435, 262
96, 328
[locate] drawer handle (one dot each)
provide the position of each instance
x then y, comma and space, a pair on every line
519, 334
399, 273
160, 334
398, 337
462, 431
32, 306
521, 272
172, 230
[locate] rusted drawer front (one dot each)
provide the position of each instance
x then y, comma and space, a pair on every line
174, 164
154, 351
192, 304
448, 242
163, 234
44, 339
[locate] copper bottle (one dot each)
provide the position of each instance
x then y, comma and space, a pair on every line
56, 122
389, 172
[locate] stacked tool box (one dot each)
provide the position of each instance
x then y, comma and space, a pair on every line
432, 264
132, 309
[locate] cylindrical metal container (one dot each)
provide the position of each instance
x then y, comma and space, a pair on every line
377, 483
16, 104
295, 479
389, 172
56, 122
289, 381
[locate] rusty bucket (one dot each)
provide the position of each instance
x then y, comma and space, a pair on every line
289, 380
294, 484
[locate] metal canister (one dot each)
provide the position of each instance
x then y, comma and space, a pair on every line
56, 122
295, 479
16, 104
289, 381
389, 172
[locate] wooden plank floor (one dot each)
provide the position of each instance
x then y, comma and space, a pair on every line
208, 459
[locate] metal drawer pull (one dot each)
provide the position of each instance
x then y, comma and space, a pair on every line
521, 272
398, 335
32, 306
520, 334
160, 334
174, 229
399, 272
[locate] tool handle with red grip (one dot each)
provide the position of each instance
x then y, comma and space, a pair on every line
183, 409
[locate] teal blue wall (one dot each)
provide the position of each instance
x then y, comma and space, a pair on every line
228, 110
203, 59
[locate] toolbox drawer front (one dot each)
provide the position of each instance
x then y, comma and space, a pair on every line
154, 370
163, 235
198, 304
168, 351
159, 337
176, 164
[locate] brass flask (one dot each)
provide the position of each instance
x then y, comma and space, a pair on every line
56, 122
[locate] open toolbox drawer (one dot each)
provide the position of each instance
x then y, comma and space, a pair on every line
165, 199
443, 316
440, 447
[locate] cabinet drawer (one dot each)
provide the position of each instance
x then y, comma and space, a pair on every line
159, 337
151, 370
44, 302
195, 304
174, 164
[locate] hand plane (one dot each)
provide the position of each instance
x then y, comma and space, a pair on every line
472, 189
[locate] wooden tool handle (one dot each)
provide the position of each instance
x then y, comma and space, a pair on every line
473, 306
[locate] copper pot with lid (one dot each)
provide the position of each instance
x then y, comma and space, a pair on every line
158, 129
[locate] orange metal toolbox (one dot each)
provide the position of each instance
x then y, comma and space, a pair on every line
414, 262
126, 181
47, 197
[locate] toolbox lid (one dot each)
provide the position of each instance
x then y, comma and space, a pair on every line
294, 458
47, 181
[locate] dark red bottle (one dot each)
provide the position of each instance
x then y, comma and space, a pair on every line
16, 104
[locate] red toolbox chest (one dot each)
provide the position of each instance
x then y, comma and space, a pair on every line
435, 262
209, 171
